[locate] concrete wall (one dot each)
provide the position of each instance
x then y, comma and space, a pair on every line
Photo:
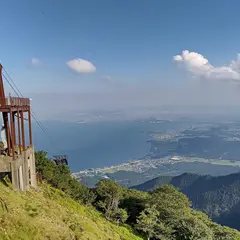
23, 170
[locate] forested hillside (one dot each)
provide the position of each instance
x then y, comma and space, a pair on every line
64, 209
219, 196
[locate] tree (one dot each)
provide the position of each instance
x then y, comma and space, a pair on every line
224, 233
172, 218
147, 221
108, 197
192, 228
80, 192
120, 216
44, 166
59, 176
171, 204
134, 202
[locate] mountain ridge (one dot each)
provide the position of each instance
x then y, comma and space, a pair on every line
218, 196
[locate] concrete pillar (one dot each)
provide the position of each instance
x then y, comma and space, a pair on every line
33, 169
21, 179
25, 170
15, 176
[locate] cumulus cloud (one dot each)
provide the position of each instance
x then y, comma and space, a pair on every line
198, 65
36, 62
81, 66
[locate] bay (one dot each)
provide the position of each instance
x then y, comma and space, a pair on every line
96, 145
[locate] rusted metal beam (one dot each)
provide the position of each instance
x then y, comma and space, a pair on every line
14, 130
12, 135
2, 94
30, 126
23, 134
19, 132
14, 109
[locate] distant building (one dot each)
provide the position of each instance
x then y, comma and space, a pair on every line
61, 159
176, 158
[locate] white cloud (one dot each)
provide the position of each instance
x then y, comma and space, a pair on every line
198, 65
81, 66
36, 62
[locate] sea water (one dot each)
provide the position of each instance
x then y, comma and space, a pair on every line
96, 145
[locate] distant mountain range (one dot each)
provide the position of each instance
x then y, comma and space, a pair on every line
219, 196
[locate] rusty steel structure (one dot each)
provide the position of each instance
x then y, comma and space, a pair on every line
18, 158
60, 159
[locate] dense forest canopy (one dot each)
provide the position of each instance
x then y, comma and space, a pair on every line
164, 214
219, 197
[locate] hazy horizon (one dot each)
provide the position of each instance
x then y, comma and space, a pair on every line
201, 95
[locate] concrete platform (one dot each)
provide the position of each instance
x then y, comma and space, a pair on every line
22, 169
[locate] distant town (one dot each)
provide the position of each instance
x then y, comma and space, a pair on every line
202, 148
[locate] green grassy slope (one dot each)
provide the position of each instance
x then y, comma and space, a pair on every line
48, 214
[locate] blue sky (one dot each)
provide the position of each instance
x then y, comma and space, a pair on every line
130, 43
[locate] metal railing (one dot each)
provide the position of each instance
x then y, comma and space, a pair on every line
60, 157
14, 102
